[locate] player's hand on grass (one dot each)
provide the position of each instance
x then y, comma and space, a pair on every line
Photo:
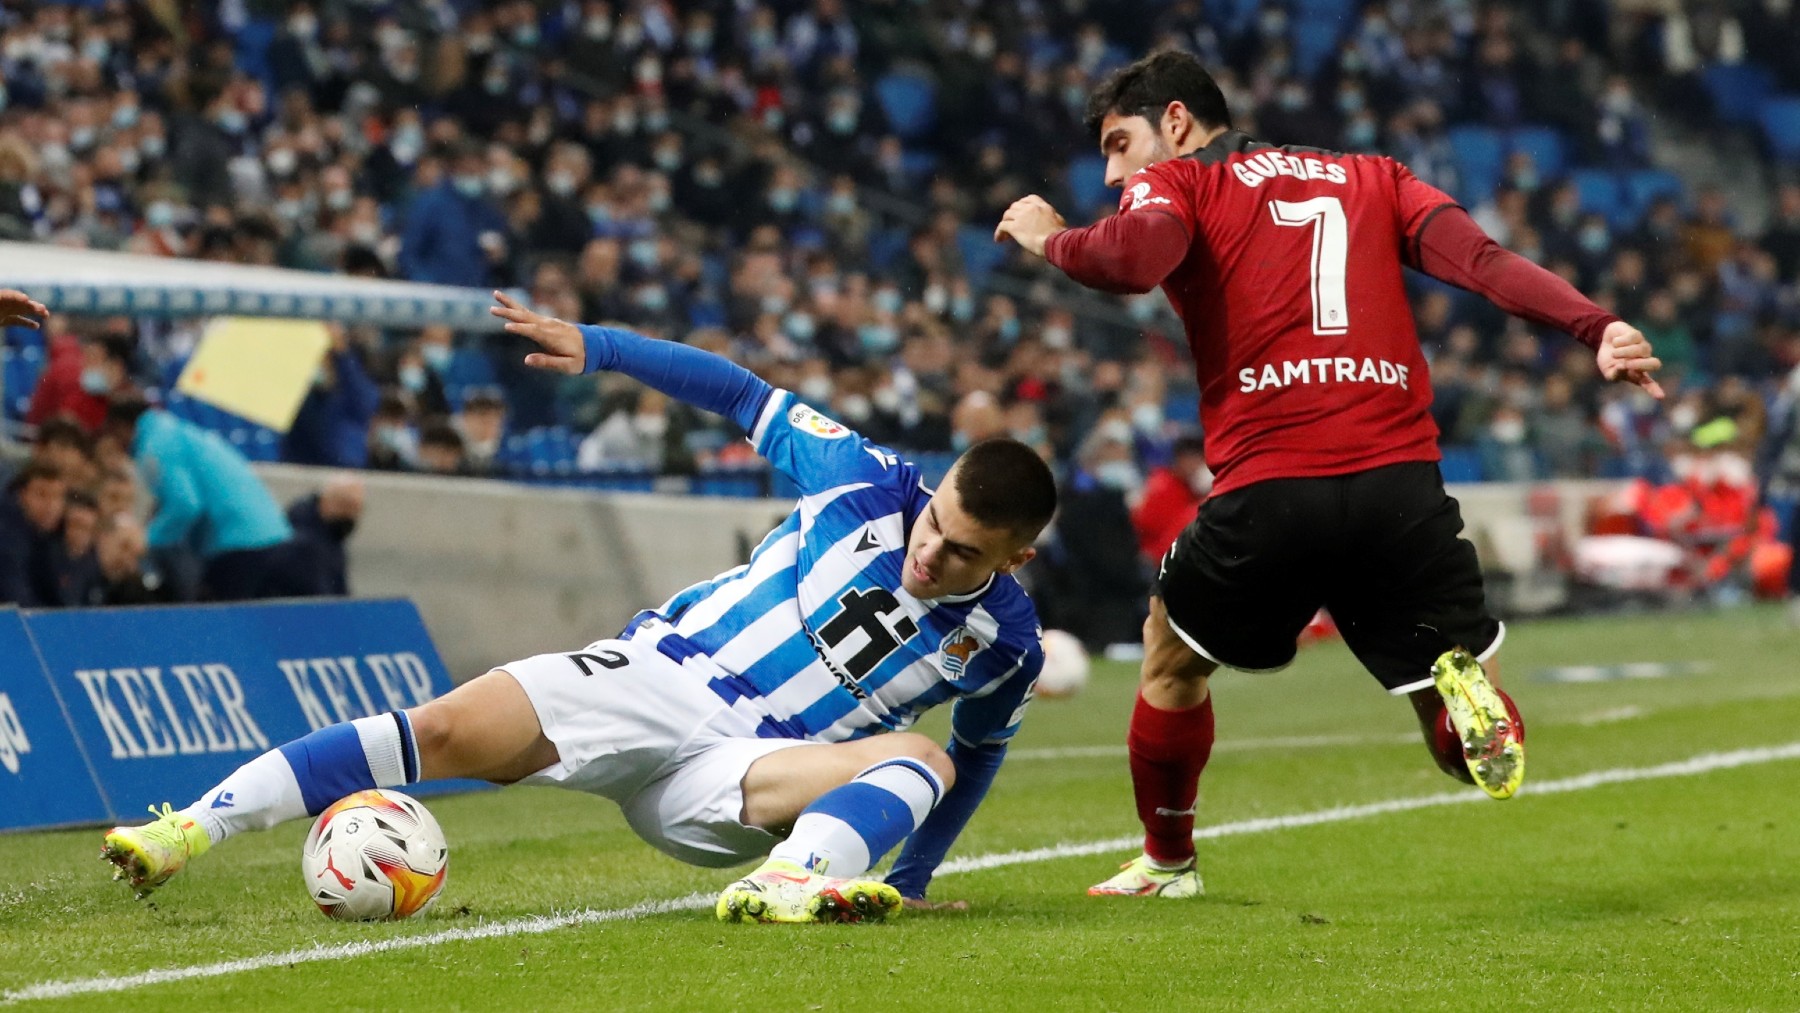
1031, 221
1625, 354
921, 904
564, 351
17, 309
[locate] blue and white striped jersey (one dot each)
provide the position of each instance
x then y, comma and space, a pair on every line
816, 638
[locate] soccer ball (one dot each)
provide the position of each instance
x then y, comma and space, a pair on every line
1065, 665
374, 855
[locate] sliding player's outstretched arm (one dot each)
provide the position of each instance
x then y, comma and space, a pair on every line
832, 457
980, 728
690, 375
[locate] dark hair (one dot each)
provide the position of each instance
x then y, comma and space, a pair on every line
1146, 88
1005, 484
440, 433
62, 431
123, 412
81, 498
120, 348
34, 471
1188, 443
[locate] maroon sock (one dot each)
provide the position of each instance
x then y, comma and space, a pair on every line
1169, 749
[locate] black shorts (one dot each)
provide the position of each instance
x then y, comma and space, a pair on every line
1378, 548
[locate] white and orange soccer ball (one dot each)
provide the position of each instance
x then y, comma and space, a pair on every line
375, 855
1066, 665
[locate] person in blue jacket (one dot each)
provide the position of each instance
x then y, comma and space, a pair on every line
455, 232
210, 502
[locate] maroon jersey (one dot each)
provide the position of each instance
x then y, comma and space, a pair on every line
1295, 306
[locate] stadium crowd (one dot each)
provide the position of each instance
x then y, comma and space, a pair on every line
810, 185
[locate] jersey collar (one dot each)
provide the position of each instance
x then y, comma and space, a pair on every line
1224, 146
958, 599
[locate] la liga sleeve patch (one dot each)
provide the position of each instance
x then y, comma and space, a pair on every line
807, 419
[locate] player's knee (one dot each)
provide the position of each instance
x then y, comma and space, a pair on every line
433, 732
927, 751
441, 728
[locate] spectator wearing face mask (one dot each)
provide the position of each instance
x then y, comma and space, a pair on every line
1505, 447
1100, 584
393, 444
455, 232
482, 425
1172, 497
420, 385
81, 377
648, 432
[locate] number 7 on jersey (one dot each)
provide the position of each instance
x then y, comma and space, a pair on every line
1331, 248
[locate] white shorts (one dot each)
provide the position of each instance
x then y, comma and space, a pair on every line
638, 728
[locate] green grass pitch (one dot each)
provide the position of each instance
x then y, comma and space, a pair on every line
1681, 892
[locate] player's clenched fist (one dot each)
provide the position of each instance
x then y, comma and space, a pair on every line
1625, 354
564, 351
1031, 221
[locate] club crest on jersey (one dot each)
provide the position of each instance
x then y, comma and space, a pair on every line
809, 419
958, 647
1140, 196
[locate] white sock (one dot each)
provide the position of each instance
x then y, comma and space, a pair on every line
303, 777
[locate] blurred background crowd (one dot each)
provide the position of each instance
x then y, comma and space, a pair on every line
810, 186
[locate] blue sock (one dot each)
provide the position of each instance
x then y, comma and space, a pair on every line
849, 828
303, 777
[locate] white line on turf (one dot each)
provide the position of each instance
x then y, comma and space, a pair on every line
1605, 717
1222, 746
1702, 764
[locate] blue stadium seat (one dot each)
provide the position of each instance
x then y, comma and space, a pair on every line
933, 465
1229, 17
1645, 187
24, 367
1780, 117
910, 102
265, 445
1182, 406
920, 165
1086, 180
742, 481
885, 245
1546, 147
1460, 464
1600, 194
1737, 91
24, 337
1478, 153
1314, 40
980, 253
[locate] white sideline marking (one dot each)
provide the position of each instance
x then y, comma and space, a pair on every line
1605, 717
1704, 763
536, 924
1222, 746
